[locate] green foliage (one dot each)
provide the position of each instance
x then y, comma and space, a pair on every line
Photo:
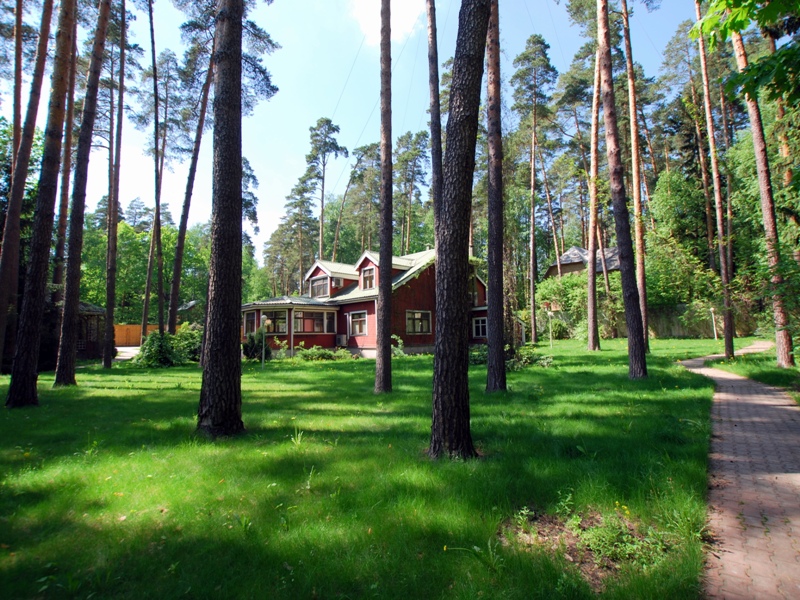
674, 275
158, 351
319, 353
255, 344
188, 341
397, 346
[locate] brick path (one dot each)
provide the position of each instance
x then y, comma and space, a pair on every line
754, 488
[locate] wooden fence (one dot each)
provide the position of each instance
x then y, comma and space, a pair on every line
130, 335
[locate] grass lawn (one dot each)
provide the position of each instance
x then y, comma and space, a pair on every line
762, 367
106, 491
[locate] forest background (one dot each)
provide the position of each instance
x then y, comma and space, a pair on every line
326, 67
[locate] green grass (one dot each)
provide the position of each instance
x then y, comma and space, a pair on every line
763, 367
107, 492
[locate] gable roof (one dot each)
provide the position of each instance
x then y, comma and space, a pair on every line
398, 262
285, 301
577, 255
333, 269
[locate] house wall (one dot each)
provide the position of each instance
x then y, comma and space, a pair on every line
358, 342
476, 314
419, 294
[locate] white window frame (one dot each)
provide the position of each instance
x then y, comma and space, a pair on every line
420, 320
275, 321
302, 315
351, 317
363, 278
327, 290
480, 322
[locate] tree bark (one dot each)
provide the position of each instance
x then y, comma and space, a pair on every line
177, 267
701, 154
66, 171
550, 212
435, 110
450, 423
109, 342
532, 241
495, 322
9, 254
383, 343
22, 390
68, 340
591, 290
17, 103
220, 409
783, 338
637, 363
717, 181
636, 184
341, 211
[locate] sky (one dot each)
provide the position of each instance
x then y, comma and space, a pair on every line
329, 66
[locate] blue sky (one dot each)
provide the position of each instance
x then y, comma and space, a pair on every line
328, 66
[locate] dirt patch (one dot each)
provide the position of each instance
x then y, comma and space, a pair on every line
552, 534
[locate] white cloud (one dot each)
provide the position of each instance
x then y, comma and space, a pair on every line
407, 17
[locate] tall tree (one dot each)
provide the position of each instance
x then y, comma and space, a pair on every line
637, 361
410, 169
450, 423
717, 182
532, 80
68, 339
22, 390
435, 109
220, 408
383, 349
783, 337
636, 184
324, 147
496, 366
112, 221
591, 266
9, 253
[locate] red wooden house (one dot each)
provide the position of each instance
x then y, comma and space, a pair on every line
341, 306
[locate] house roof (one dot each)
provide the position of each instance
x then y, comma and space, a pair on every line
398, 262
333, 269
287, 301
417, 263
577, 255
85, 308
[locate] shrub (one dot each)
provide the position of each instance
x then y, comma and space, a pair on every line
479, 354
255, 344
397, 346
158, 351
188, 341
525, 357
319, 353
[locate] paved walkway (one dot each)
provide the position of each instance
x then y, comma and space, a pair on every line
754, 488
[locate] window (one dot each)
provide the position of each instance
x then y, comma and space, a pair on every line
319, 287
418, 321
479, 327
314, 322
274, 321
358, 323
368, 278
250, 322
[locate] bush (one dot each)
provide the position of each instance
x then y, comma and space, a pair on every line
319, 353
479, 354
525, 357
188, 342
256, 341
158, 351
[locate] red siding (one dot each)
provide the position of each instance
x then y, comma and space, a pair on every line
481, 293
358, 341
325, 340
417, 294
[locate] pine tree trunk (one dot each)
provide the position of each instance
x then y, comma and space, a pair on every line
636, 184
717, 181
68, 340
496, 365
148, 284
450, 426
109, 342
532, 240
591, 266
383, 343
66, 171
723, 109
220, 409
9, 254
22, 390
435, 110
17, 103
341, 211
701, 154
637, 364
783, 338
177, 267
550, 212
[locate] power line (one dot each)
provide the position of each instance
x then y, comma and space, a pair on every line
344, 87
